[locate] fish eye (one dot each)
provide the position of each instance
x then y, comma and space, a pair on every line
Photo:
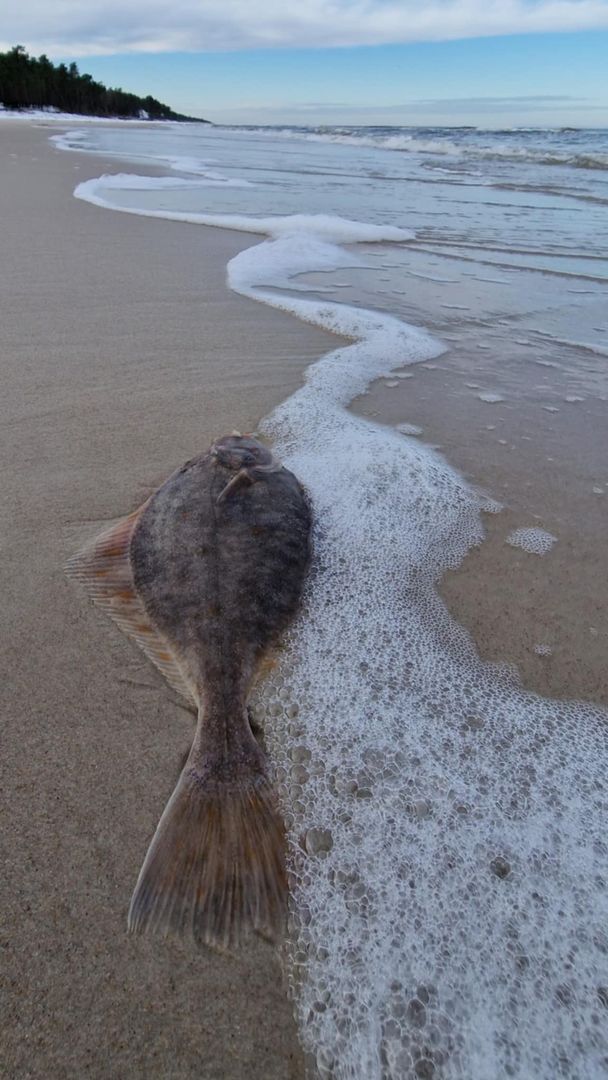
241, 452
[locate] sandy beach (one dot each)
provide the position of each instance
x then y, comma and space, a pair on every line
123, 353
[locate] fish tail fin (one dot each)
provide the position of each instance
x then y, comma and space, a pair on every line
216, 866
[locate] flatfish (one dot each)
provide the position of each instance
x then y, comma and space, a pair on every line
205, 576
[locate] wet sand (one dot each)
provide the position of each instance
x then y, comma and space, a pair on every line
122, 354
547, 470
532, 345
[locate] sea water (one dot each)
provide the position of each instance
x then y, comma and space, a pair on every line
447, 829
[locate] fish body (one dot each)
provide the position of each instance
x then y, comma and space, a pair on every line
205, 576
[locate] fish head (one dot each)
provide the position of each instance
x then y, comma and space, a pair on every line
238, 452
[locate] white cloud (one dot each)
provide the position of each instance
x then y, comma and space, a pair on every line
542, 110
82, 27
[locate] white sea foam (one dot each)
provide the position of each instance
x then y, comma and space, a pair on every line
309, 228
490, 398
537, 541
408, 429
446, 829
77, 141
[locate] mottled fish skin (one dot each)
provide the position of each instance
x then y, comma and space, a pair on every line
215, 562
221, 577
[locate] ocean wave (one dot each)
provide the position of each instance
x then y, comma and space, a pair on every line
586, 346
407, 142
323, 227
80, 141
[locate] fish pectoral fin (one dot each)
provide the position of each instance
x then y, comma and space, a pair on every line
243, 476
103, 566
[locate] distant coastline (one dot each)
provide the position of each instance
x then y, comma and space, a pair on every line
27, 82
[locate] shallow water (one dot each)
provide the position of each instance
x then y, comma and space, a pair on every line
446, 827
510, 253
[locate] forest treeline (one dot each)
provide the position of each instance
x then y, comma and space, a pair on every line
27, 82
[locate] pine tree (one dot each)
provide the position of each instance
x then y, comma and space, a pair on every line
27, 82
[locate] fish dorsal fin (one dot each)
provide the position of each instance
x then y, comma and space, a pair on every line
104, 568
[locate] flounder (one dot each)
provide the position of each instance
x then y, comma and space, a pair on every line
205, 577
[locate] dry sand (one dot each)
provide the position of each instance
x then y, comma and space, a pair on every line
122, 354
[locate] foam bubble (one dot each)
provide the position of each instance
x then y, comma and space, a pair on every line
490, 398
456, 913
490, 505
537, 541
408, 429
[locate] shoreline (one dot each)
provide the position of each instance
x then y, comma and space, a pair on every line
112, 333
501, 626
509, 600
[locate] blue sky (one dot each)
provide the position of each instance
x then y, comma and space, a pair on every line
492, 62
536, 79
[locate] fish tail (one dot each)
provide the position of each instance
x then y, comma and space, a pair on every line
216, 866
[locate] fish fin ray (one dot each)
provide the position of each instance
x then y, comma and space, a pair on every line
103, 566
215, 867
243, 476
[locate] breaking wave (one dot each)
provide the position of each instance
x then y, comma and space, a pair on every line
469, 147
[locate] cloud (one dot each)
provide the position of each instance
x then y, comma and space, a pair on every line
84, 27
529, 109
524, 103
519, 99
302, 110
